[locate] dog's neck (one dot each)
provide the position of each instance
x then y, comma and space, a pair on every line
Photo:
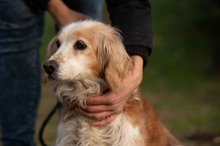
74, 93
79, 90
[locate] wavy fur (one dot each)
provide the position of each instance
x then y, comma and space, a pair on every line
81, 72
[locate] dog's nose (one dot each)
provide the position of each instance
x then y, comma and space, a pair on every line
50, 66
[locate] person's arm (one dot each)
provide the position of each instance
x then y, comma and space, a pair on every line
133, 18
61, 13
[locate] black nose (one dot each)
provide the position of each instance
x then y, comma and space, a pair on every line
50, 67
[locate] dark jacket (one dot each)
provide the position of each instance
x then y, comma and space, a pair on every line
132, 17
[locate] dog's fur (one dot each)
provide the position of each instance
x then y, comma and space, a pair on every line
85, 56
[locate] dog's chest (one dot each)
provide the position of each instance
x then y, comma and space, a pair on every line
78, 132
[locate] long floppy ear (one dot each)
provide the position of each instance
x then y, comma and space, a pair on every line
52, 47
116, 61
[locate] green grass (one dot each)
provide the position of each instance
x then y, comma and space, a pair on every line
49, 33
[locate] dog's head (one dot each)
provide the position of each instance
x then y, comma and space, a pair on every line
87, 49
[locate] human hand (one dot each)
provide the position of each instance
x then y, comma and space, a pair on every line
104, 108
62, 14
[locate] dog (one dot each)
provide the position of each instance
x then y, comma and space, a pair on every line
84, 57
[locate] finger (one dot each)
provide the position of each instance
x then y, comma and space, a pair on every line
96, 100
138, 62
105, 121
97, 108
105, 99
96, 116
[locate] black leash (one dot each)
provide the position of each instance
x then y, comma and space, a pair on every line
41, 139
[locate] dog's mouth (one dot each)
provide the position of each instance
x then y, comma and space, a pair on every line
52, 76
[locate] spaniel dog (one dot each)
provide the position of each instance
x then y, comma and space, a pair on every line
83, 58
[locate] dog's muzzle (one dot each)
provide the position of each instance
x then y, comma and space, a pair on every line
50, 67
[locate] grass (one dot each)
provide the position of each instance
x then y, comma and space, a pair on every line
186, 98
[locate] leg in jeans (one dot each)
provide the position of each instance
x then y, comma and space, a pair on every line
20, 33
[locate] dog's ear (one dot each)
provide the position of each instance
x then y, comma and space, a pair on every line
114, 58
52, 47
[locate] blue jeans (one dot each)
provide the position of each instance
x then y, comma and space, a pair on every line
20, 35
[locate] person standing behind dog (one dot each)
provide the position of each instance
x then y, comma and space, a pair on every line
21, 28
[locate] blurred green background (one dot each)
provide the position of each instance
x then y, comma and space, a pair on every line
182, 78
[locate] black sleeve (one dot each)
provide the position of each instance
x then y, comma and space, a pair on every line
133, 18
37, 5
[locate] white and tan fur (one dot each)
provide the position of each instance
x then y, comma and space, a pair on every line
80, 73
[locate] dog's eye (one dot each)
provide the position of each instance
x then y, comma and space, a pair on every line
58, 44
80, 45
